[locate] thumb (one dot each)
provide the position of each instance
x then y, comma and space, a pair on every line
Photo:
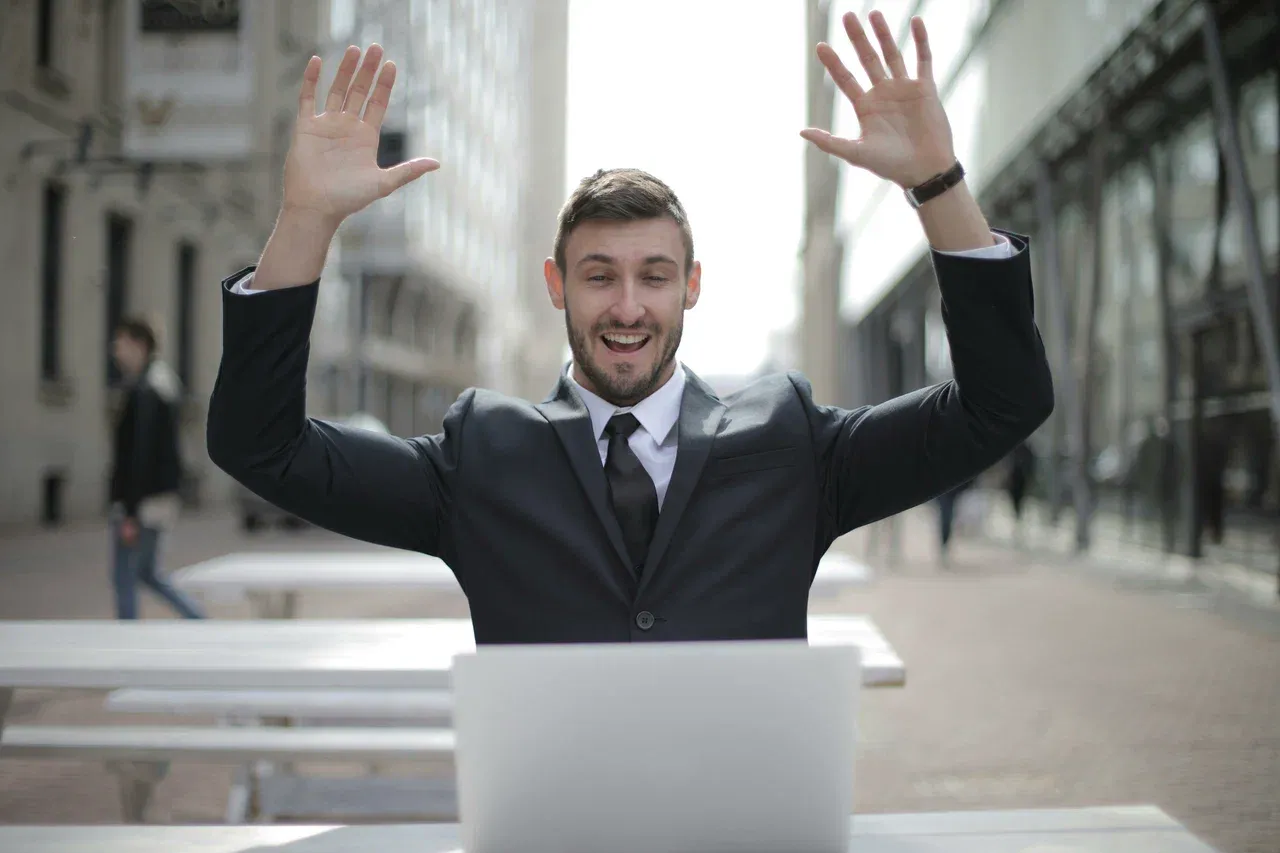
397, 176
845, 149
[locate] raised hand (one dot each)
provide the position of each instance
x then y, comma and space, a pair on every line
905, 134
331, 170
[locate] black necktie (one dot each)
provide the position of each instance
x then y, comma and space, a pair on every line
635, 500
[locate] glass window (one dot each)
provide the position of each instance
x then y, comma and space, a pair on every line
1260, 120
1193, 198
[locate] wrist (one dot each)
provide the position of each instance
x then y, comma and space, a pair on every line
307, 220
296, 251
926, 171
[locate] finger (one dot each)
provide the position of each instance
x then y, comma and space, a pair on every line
888, 47
846, 149
841, 76
397, 176
924, 56
364, 80
341, 80
307, 95
377, 109
866, 53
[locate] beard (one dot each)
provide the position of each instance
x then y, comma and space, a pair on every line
630, 387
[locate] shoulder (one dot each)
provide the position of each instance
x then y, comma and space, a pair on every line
479, 410
771, 390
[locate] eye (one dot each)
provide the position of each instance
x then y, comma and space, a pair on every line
598, 277
657, 278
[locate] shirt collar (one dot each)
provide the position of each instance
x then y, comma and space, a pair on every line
657, 413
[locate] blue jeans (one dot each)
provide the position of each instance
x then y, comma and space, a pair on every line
137, 563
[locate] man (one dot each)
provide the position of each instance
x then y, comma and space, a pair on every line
146, 470
632, 505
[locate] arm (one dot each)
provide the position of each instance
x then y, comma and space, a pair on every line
373, 487
146, 408
881, 460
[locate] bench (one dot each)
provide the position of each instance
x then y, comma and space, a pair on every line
358, 799
140, 755
425, 707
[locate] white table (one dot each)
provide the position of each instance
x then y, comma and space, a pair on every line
273, 581
393, 654
1140, 829
837, 572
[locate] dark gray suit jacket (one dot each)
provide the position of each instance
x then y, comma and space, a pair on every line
513, 496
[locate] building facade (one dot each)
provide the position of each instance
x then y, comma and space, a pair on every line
92, 231
1138, 149
434, 289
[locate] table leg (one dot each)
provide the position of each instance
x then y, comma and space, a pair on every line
6, 701
137, 780
266, 605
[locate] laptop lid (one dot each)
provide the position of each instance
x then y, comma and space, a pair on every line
661, 748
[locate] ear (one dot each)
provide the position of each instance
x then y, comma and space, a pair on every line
693, 288
555, 282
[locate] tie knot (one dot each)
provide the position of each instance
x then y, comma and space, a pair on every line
621, 425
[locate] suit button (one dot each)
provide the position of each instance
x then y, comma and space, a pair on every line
644, 620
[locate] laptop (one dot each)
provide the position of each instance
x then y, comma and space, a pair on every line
709, 747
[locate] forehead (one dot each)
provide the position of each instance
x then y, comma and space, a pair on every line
626, 242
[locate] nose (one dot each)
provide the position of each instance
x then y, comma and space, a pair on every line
627, 310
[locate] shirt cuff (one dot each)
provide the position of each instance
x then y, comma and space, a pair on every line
243, 286
1000, 251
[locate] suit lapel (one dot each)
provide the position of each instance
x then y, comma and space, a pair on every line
568, 416
700, 414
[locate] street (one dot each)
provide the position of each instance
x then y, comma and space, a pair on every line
1029, 685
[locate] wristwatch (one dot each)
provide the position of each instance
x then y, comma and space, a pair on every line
935, 186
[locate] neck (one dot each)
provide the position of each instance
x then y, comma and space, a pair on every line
663, 378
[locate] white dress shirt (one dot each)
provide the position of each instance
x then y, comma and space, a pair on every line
656, 441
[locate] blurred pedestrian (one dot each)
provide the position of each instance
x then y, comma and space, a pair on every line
146, 470
1022, 463
947, 518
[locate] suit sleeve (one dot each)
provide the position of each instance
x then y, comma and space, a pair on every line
366, 485
879, 460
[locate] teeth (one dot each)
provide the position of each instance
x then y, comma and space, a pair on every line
625, 340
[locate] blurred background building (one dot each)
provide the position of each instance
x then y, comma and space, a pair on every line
1135, 141
141, 151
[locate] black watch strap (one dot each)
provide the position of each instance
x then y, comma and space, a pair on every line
935, 186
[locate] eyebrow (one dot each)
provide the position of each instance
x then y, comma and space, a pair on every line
596, 257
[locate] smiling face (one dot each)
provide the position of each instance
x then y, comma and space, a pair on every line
624, 290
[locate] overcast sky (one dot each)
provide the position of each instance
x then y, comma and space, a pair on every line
708, 96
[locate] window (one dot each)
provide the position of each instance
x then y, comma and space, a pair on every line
45, 21
185, 343
51, 282
391, 148
110, 55
119, 248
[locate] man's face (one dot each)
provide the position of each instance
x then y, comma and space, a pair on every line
130, 354
624, 292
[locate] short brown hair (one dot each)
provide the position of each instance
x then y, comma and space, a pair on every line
141, 330
621, 195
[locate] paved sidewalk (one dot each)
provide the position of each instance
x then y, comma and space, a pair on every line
1030, 684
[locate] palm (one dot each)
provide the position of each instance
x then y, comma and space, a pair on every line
905, 134
332, 168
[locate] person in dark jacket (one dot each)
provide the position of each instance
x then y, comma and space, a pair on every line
146, 470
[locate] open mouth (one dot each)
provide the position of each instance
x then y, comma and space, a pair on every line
624, 344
